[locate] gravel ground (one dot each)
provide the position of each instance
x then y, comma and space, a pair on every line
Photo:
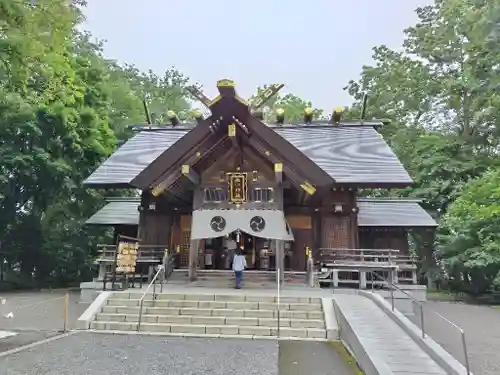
96, 354
482, 328
24, 338
37, 316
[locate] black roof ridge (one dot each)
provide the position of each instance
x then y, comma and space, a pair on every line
327, 123
123, 199
154, 128
389, 199
314, 124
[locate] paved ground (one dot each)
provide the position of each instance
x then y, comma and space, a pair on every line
88, 353
36, 316
313, 358
482, 328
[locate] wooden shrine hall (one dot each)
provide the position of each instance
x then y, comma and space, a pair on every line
274, 190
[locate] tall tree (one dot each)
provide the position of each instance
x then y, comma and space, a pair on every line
62, 107
441, 93
469, 239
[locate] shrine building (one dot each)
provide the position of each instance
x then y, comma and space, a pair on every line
275, 190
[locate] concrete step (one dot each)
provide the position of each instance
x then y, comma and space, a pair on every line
226, 276
211, 329
229, 284
216, 304
212, 320
255, 313
218, 297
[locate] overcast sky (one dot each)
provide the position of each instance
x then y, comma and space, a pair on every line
314, 47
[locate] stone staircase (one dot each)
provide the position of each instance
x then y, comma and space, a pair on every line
225, 278
250, 316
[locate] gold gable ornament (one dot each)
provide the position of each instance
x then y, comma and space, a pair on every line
225, 83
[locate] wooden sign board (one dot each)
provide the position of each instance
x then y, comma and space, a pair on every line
126, 255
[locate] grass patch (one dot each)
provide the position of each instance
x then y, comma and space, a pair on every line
444, 296
346, 356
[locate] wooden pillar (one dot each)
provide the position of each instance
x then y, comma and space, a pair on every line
354, 230
193, 259
362, 279
316, 231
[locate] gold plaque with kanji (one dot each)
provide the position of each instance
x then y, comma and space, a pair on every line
238, 187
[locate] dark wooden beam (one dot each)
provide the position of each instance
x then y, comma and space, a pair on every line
188, 172
241, 125
198, 94
321, 192
267, 94
198, 138
214, 154
193, 157
294, 176
278, 172
231, 133
288, 153
159, 188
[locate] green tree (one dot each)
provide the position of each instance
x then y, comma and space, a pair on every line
441, 95
162, 93
62, 107
469, 240
291, 104
54, 128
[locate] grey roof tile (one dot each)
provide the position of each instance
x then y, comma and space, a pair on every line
120, 212
393, 213
348, 154
133, 157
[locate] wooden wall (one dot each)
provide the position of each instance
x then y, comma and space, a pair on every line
302, 228
156, 219
155, 228
336, 232
384, 238
125, 230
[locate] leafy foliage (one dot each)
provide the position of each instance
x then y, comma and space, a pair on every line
469, 238
441, 94
291, 104
63, 106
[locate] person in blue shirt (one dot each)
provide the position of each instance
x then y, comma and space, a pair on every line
239, 265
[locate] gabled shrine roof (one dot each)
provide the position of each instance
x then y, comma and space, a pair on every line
133, 157
350, 153
380, 212
373, 212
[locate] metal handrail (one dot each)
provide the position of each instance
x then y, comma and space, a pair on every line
278, 277
161, 269
421, 306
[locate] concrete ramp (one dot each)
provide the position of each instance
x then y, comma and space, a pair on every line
380, 346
